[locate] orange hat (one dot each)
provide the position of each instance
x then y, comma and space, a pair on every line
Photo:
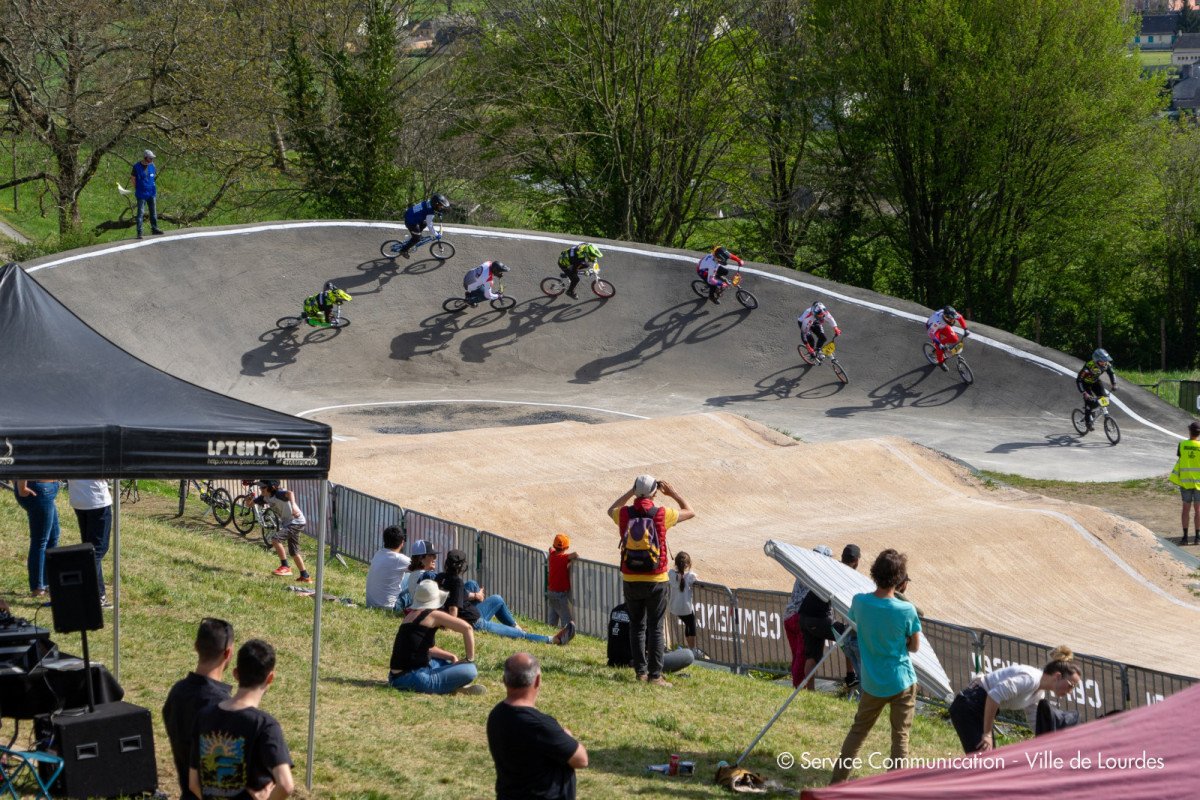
561, 542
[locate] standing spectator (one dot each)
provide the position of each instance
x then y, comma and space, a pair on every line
284, 503
387, 571
238, 750
888, 631
535, 757
559, 582
467, 601
1013, 687
417, 665
37, 498
791, 627
200, 689
681, 580
1186, 476
851, 555
644, 563
816, 626
145, 190
92, 502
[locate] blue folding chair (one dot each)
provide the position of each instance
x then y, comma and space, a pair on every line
27, 759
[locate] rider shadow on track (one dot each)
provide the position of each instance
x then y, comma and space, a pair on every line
281, 347
1057, 440
780, 385
400, 266
523, 319
900, 392
666, 329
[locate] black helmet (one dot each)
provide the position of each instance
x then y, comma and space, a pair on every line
1101, 357
329, 287
439, 202
269, 484
949, 314
498, 266
722, 254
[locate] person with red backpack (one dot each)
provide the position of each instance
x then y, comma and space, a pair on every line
644, 563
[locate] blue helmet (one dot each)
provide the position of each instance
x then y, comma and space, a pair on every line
1102, 358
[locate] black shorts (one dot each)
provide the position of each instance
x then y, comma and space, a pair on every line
689, 624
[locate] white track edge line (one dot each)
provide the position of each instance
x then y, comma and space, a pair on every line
1009, 349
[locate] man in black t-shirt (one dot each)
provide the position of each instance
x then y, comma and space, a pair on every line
238, 751
535, 756
214, 646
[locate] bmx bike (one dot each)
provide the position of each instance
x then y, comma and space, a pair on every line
1083, 421
439, 248
130, 492
964, 369
216, 498
815, 359
501, 302
600, 287
744, 296
336, 320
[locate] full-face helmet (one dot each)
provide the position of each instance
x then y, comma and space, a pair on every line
819, 312
439, 202
498, 268
949, 315
1102, 358
722, 255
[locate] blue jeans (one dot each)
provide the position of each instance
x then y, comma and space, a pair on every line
494, 606
43, 528
440, 677
95, 526
144, 204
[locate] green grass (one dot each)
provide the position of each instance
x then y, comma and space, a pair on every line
1154, 58
375, 742
1163, 383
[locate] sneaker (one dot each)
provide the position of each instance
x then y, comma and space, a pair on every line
565, 636
474, 688
851, 680
104, 603
572, 295
943, 367
1183, 541
699, 654
304, 579
157, 232
716, 300
659, 681
139, 236
405, 253
643, 677
282, 571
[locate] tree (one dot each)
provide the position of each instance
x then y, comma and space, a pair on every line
83, 80
998, 128
615, 112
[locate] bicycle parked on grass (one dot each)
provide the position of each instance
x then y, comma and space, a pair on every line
744, 296
501, 302
826, 352
336, 320
964, 369
600, 287
1084, 421
439, 249
217, 499
129, 492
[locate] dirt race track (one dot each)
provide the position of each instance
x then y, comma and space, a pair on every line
532, 421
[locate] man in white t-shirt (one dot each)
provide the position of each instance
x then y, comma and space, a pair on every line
92, 502
387, 570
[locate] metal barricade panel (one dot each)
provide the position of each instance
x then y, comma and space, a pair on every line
443, 534
1101, 688
958, 649
1147, 686
763, 643
515, 571
716, 623
359, 520
596, 589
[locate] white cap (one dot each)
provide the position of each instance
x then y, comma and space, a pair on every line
644, 486
147, 154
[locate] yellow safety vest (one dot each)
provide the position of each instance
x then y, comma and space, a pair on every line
1187, 470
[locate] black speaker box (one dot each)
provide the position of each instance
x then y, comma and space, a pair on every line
108, 752
74, 588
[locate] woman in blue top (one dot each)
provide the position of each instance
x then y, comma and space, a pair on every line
888, 631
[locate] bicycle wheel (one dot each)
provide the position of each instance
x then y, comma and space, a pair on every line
1111, 429
841, 373
454, 304
701, 289
288, 322
390, 248
504, 302
1079, 421
930, 353
222, 505
441, 250
964, 371
243, 514
339, 322
554, 286
270, 525
747, 299
811, 360
603, 288
184, 488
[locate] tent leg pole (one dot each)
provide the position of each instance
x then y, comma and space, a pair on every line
788, 702
323, 516
116, 598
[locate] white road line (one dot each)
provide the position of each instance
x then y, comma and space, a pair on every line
466, 231
1082, 531
493, 402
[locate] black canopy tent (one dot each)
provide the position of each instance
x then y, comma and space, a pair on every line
74, 405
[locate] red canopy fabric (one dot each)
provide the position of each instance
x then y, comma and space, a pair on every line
1148, 753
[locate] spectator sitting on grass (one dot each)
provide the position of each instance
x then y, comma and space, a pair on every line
419, 666
387, 571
